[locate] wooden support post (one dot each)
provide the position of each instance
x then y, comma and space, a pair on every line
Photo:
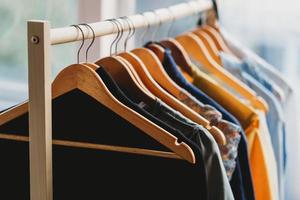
40, 123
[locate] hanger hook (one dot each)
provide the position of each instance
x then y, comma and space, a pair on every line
130, 31
92, 42
172, 22
118, 33
82, 43
132, 28
143, 35
119, 22
195, 13
158, 26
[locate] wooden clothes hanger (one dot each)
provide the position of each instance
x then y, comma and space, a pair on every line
196, 49
216, 38
180, 56
154, 67
210, 45
156, 89
135, 75
123, 64
121, 71
219, 136
125, 79
137, 64
183, 59
85, 79
242, 111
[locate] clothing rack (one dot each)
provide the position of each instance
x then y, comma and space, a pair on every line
40, 39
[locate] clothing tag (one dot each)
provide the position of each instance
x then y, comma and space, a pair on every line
142, 105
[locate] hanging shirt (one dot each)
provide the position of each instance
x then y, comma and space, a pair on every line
241, 182
195, 133
289, 104
213, 162
260, 167
252, 69
231, 131
265, 70
79, 117
274, 116
264, 187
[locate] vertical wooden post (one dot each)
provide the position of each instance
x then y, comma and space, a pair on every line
40, 123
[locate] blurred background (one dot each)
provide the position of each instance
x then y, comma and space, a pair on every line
269, 27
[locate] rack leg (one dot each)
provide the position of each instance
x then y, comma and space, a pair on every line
40, 122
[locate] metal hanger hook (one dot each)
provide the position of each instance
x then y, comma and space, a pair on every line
82, 43
92, 42
131, 30
172, 22
158, 26
121, 29
143, 35
118, 33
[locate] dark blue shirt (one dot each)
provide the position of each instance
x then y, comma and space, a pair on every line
241, 182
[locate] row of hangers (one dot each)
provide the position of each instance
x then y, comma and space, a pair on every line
140, 73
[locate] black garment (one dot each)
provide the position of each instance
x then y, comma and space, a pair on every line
78, 117
197, 134
241, 181
157, 112
144, 110
215, 170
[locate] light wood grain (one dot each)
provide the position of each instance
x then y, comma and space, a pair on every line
87, 145
40, 123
